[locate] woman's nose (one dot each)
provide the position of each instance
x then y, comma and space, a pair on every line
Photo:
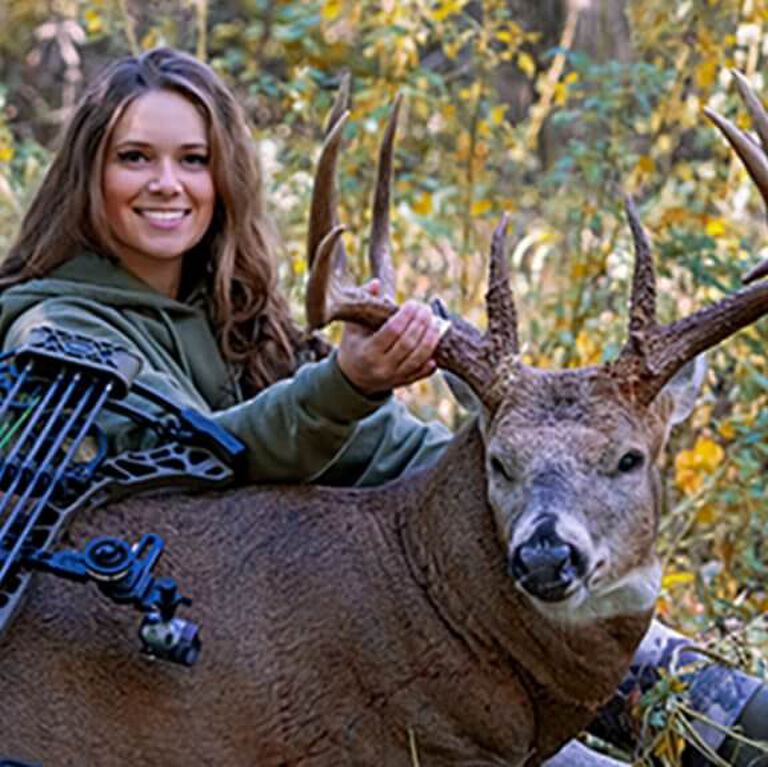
166, 181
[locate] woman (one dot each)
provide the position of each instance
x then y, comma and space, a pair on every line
149, 231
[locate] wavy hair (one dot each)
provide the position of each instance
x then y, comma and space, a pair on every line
251, 315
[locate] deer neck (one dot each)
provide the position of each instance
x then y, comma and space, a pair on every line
459, 563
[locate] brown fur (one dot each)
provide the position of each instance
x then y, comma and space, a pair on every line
338, 624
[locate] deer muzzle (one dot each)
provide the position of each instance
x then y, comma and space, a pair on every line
546, 566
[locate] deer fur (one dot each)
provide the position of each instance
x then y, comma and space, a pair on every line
340, 627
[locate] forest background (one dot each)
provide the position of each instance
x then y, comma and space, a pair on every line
550, 110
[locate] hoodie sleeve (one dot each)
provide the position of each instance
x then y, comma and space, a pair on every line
314, 426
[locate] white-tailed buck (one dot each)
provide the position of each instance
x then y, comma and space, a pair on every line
475, 613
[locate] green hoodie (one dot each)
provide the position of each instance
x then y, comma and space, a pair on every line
314, 427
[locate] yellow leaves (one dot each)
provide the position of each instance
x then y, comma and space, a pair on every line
706, 73
715, 227
511, 34
692, 466
446, 8
479, 207
589, 350
331, 9
560, 94
6, 152
472, 93
463, 144
151, 39
677, 578
497, 114
526, 63
726, 430
645, 164
94, 22
678, 215
422, 205
706, 515
670, 747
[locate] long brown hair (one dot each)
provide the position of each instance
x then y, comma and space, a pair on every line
67, 214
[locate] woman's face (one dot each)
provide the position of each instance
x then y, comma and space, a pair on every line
157, 186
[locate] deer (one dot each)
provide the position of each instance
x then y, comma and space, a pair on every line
450, 617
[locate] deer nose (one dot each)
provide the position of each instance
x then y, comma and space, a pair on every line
545, 565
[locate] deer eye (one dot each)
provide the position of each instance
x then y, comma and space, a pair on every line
499, 467
630, 461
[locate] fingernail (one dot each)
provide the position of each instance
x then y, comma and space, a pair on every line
442, 326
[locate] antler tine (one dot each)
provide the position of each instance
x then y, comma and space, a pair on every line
760, 271
320, 285
499, 301
753, 157
323, 215
754, 107
653, 353
379, 256
486, 361
340, 103
642, 311
463, 350
746, 148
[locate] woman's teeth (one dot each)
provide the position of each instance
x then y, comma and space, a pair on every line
164, 215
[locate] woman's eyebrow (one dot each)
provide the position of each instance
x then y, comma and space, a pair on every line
148, 144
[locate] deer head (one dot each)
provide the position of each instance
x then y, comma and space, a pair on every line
571, 456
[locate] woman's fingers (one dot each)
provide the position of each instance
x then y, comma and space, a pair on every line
406, 331
399, 353
416, 345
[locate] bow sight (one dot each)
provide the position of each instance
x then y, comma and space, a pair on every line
55, 459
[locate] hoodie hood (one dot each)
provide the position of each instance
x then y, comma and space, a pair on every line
93, 276
92, 283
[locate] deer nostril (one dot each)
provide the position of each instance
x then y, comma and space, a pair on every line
546, 565
545, 557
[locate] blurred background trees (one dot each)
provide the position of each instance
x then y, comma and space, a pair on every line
551, 110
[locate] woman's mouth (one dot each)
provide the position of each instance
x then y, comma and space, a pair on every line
163, 218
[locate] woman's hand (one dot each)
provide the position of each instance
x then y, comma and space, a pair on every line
398, 353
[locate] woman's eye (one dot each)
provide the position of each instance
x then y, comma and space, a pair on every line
196, 159
131, 156
630, 461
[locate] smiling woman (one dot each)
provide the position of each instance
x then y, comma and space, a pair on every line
149, 231
157, 187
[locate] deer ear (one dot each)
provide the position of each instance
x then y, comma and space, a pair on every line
463, 394
462, 391
683, 388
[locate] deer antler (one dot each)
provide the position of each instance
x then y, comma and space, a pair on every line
752, 155
653, 353
487, 362
463, 350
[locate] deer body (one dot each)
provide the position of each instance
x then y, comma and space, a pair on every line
335, 623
